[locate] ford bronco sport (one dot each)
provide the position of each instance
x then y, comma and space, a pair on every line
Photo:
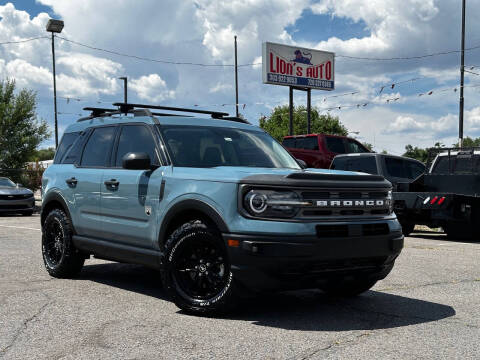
216, 205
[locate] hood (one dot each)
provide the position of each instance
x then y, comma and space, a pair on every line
8, 190
288, 177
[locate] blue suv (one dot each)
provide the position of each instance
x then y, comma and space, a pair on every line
218, 206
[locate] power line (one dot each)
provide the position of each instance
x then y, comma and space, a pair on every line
407, 57
149, 59
23, 41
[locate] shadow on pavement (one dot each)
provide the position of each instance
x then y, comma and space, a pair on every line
308, 310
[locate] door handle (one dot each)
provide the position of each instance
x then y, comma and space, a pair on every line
112, 183
72, 181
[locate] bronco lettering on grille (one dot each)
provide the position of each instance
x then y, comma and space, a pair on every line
348, 203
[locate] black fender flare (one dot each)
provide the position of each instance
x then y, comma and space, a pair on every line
186, 205
53, 196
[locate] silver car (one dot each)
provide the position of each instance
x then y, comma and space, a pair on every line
14, 198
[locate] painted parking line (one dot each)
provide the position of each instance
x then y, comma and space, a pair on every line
20, 227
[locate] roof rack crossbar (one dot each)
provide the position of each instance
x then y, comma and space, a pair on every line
97, 111
128, 106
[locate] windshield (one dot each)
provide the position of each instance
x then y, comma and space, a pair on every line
7, 182
204, 146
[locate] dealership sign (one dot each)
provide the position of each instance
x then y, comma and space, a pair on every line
296, 66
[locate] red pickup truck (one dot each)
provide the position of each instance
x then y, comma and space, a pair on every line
318, 150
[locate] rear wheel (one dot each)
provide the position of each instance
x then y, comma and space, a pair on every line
196, 271
348, 288
60, 257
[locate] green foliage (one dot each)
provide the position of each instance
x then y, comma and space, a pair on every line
277, 124
469, 142
20, 130
416, 153
368, 145
43, 154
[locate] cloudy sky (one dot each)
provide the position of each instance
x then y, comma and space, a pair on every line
201, 31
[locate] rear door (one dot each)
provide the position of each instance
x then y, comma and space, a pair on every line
85, 181
129, 198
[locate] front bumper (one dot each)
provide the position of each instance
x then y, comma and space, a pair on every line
21, 205
294, 262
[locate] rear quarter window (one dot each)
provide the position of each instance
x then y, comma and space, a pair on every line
65, 144
362, 164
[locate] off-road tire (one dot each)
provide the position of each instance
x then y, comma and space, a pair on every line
348, 288
70, 261
185, 240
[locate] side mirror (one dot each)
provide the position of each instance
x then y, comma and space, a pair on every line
19, 185
136, 161
302, 163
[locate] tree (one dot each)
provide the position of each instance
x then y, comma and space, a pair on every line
20, 129
419, 153
43, 154
469, 142
368, 145
416, 153
277, 124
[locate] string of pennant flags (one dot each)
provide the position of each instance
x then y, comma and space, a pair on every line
359, 105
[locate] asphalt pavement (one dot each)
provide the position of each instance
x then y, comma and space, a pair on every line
427, 308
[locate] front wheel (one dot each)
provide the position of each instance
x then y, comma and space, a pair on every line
344, 288
61, 258
407, 228
196, 272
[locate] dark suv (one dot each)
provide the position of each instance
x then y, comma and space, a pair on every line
217, 205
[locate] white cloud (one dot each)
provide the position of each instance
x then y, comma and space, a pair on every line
152, 88
221, 87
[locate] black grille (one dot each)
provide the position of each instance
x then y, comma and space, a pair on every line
337, 231
13, 207
375, 229
335, 266
15, 197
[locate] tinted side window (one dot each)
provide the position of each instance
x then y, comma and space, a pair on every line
67, 140
339, 163
441, 166
97, 149
363, 164
414, 169
311, 143
395, 167
300, 143
135, 138
289, 143
335, 144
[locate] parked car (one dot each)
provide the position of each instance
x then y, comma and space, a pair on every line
217, 205
15, 199
318, 150
393, 168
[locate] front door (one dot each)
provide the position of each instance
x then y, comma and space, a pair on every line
129, 198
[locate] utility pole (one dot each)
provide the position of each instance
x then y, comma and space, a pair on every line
124, 78
236, 79
290, 110
309, 110
54, 26
462, 71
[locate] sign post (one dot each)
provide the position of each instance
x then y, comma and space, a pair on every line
299, 69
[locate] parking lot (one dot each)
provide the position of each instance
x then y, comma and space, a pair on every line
429, 307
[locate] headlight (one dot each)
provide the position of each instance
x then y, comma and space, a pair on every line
272, 203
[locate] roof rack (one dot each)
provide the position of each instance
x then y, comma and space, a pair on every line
144, 110
126, 107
